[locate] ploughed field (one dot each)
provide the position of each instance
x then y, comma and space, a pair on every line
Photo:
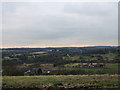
57, 82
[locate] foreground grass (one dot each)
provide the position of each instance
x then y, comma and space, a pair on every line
64, 81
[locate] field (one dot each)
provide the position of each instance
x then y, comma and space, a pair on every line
56, 82
65, 68
110, 68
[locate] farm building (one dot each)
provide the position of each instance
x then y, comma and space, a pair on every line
33, 71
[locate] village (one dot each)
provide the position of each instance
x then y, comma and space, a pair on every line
48, 71
58, 61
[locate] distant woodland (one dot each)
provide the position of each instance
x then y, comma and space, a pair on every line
60, 61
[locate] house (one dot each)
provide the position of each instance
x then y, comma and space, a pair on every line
90, 65
50, 50
68, 55
36, 71
93, 65
48, 71
6, 57
27, 73
33, 71
57, 50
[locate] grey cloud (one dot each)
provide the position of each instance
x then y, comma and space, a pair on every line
91, 8
79, 23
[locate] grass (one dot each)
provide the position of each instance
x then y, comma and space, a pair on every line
110, 68
100, 81
106, 57
38, 52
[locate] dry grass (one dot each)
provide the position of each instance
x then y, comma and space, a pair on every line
66, 81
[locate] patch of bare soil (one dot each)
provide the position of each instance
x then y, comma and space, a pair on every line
61, 86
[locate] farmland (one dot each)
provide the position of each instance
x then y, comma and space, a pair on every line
61, 81
61, 68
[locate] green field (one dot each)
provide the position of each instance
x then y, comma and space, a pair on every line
61, 81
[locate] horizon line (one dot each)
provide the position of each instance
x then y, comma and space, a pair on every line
58, 46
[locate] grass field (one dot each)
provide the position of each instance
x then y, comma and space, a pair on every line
55, 82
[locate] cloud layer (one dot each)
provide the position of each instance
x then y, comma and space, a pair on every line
59, 24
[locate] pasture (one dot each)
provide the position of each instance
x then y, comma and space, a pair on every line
61, 81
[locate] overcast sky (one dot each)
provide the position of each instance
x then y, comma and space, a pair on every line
59, 24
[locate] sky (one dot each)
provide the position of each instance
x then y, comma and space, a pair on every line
59, 24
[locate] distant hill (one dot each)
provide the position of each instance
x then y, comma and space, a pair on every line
57, 48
